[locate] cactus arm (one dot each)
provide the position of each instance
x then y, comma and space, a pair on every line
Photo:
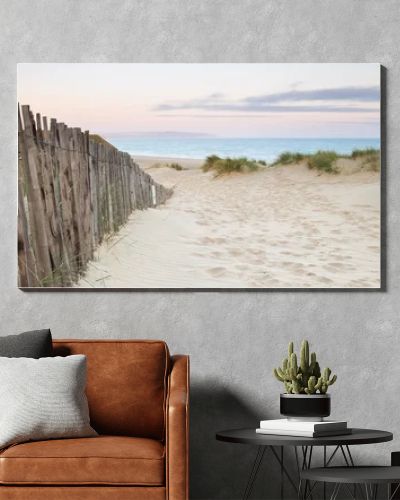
281, 373
312, 382
296, 386
304, 357
278, 376
313, 363
288, 387
333, 380
293, 366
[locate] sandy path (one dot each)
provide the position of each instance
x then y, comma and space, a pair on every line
283, 227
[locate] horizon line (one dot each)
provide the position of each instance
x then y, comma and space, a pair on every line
211, 136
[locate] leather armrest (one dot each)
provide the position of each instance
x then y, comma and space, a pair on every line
177, 432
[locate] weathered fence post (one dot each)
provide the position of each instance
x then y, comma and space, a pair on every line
73, 191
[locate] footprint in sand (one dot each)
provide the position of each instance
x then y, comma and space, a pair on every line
286, 252
296, 266
241, 267
258, 262
324, 280
257, 251
333, 267
217, 272
207, 240
235, 252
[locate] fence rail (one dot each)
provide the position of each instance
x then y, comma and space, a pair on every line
73, 192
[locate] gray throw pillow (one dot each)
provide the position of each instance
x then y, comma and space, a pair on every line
43, 399
34, 344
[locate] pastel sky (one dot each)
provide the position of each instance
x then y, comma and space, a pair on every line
226, 100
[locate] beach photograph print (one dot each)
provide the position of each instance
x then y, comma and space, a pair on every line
199, 176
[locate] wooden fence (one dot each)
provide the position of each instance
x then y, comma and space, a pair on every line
73, 192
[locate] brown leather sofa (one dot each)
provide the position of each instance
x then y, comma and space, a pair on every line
139, 400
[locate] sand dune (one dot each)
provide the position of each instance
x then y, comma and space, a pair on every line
282, 227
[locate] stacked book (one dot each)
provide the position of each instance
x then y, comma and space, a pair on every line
303, 428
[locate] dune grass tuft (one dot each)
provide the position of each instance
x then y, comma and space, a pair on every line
357, 153
370, 158
287, 158
222, 166
324, 161
210, 162
175, 166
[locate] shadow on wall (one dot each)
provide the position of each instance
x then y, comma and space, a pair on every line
220, 470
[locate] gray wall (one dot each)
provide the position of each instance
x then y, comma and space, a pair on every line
234, 338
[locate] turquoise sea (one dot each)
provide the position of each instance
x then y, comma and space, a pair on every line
257, 148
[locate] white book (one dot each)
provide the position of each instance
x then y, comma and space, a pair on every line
303, 425
311, 434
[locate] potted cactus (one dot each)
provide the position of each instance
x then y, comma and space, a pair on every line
306, 386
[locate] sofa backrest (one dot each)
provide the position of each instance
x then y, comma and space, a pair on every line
126, 386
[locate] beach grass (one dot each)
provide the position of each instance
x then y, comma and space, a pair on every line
175, 166
357, 153
327, 161
288, 158
221, 166
324, 161
370, 158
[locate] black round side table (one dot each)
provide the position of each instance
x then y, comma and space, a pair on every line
370, 477
303, 451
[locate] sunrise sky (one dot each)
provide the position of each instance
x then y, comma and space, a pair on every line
225, 100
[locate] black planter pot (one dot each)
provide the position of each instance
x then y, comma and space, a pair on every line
300, 406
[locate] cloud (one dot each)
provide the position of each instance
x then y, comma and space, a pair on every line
362, 121
355, 94
339, 100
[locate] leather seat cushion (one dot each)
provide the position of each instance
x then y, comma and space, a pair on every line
102, 460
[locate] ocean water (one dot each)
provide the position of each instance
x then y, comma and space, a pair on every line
257, 148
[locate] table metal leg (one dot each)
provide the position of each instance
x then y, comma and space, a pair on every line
282, 488
304, 464
253, 474
324, 466
307, 457
284, 470
297, 461
390, 494
335, 491
351, 493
